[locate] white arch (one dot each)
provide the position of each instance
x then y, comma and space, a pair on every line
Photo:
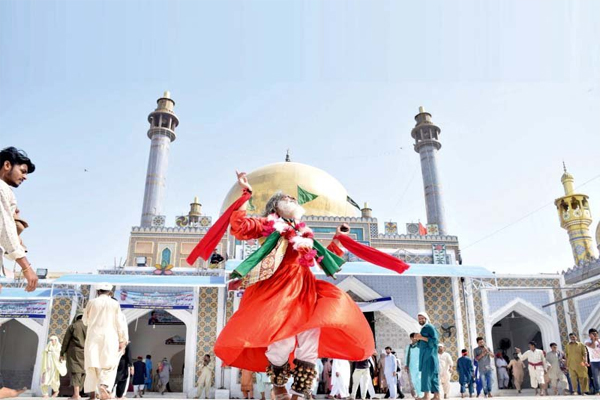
40, 332
548, 327
131, 314
398, 316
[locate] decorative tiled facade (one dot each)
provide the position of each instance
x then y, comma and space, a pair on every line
478, 309
439, 304
534, 296
388, 333
60, 317
586, 306
562, 318
573, 315
465, 316
207, 324
498, 299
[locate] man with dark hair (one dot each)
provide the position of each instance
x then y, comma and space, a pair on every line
517, 368
14, 168
464, 366
483, 356
411, 363
536, 366
73, 350
216, 259
205, 379
556, 375
593, 347
577, 363
391, 375
428, 363
139, 377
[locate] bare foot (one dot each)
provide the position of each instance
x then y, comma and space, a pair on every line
104, 394
8, 392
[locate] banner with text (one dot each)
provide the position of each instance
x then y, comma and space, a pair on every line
156, 300
23, 308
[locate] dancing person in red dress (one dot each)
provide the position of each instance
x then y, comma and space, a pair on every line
285, 309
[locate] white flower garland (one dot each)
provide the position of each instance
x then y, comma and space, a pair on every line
300, 238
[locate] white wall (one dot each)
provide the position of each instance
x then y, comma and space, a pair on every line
150, 339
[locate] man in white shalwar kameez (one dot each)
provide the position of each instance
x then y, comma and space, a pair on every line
536, 365
391, 375
205, 379
445, 371
107, 336
340, 378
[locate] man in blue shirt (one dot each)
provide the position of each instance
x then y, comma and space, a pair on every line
148, 385
465, 373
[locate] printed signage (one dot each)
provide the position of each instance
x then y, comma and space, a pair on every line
23, 308
156, 300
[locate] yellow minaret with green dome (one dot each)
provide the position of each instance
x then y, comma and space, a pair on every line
574, 214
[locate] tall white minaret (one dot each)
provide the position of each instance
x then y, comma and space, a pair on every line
427, 144
163, 122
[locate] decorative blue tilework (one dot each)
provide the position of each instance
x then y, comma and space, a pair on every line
538, 298
403, 289
586, 306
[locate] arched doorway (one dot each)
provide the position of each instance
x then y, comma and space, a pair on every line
516, 324
18, 351
512, 331
160, 334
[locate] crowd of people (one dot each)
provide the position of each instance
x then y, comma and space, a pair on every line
95, 349
95, 352
574, 371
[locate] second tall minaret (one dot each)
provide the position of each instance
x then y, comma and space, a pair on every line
427, 144
574, 215
163, 122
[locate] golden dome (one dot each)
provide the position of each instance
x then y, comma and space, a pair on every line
566, 177
286, 177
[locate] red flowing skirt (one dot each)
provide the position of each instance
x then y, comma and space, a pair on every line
290, 302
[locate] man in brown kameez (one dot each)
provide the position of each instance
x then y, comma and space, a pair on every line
73, 351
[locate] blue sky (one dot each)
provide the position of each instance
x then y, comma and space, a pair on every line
514, 85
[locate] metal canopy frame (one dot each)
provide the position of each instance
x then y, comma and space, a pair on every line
479, 284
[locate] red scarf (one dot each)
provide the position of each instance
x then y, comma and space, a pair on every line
372, 255
209, 242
